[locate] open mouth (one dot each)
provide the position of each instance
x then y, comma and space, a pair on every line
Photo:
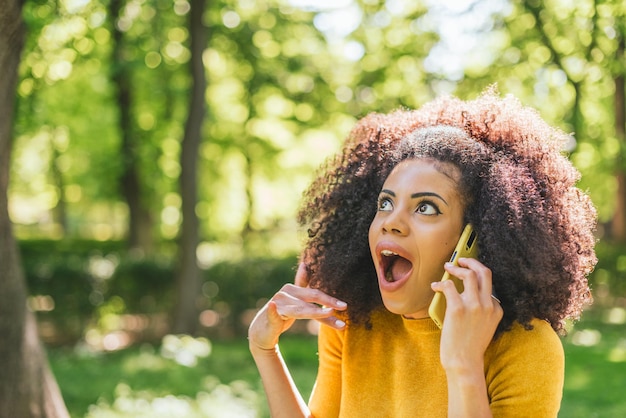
394, 266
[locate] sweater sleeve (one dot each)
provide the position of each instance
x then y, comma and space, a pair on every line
326, 396
525, 370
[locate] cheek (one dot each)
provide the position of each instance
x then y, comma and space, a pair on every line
436, 254
449, 244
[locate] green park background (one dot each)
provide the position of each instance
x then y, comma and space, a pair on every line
111, 194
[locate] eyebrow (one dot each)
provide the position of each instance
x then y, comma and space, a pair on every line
417, 195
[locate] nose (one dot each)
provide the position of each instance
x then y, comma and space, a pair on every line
395, 223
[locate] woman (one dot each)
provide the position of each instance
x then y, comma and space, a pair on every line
383, 218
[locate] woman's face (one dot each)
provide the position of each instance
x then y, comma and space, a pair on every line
417, 225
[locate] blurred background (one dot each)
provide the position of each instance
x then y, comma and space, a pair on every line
161, 149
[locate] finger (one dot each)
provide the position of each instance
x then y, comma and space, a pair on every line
482, 275
309, 295
290, 307
333, 322
272, 311
303, 311
449, 290
302, 276
484, 282
467, 276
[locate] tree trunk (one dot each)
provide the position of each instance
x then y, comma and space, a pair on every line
618, 224
139, 219
27, 387
188, 272
247, 226
59, 212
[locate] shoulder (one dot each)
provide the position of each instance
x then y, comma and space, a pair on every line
520, 359
538, 346
540, 340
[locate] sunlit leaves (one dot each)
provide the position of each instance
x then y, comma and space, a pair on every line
286, 83
560, 58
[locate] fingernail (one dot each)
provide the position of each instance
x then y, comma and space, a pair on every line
339, 323
448, 264
341, 304
327, 310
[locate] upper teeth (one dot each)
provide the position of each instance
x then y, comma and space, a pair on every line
388, 253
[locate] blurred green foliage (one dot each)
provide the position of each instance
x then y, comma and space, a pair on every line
609, 277
286, 84
595, 365
74, 284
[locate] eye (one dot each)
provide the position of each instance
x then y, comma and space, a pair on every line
427, 208
384, 204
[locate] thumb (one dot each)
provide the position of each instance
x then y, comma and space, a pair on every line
276, 319
267, 326
272, 312
302, 276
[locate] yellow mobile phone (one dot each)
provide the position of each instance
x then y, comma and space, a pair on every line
466, 247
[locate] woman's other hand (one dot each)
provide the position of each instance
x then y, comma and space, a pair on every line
293, 302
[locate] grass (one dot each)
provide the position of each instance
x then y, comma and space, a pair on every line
88, 379
594, 384
595, 368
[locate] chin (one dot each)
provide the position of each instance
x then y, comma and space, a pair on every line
400, 309
396, 308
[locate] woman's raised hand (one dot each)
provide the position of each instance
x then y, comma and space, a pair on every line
471, 317
293, 302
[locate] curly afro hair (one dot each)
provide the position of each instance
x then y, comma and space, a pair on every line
535, 227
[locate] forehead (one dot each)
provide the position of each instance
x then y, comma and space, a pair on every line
426, 169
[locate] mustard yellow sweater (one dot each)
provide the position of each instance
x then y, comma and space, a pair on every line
394, 371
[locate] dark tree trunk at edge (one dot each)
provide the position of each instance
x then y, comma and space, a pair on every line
27, 387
